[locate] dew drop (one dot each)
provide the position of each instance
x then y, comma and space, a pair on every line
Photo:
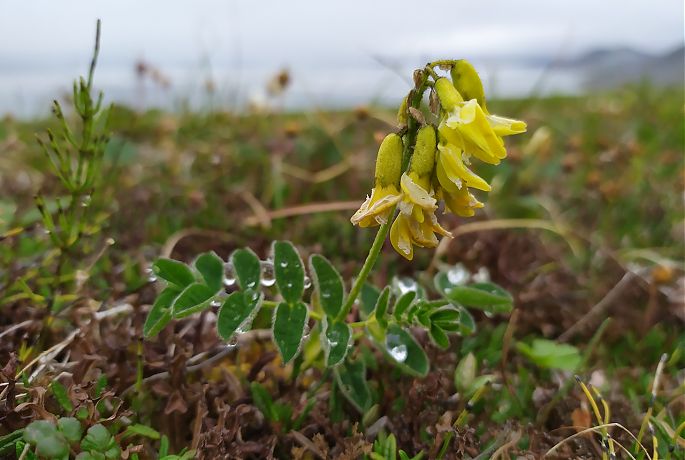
482, 276
396, 348
228, 282
403, 285
85, 202
229, 275
458, 274
283, 264
150, 275
307, 282
214, 303
268, 282
333, 338
268, 273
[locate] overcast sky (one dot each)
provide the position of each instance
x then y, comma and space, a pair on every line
315, 30
243, 35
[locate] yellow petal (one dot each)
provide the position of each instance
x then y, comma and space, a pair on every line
477, 135
400, 237
417, 194
450, 159
503, 126
462, 202
376, 208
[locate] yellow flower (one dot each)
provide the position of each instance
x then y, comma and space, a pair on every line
460, 202
416, 223
384, 196
469, 85
452, 172
407, 232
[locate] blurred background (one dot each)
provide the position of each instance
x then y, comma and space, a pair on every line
338, 54
237, 123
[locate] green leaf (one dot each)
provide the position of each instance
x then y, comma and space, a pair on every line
403, 303
9, 440
289, 271
328, 285
401, 346
173, 271
262, 399
351, 378
61, 395
49, 442
99, 386
70, 428
211, 267
237, 312
368, 298
98, 438
194, 298
247, 267
288, 328
438, 336
483, 296
141, 430
465, 373
335, 340
551, 355
382, 306
160, 313
467, 325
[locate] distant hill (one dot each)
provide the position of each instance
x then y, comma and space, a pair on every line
604, 68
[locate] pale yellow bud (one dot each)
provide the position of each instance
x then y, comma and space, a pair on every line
389, 161
448, 94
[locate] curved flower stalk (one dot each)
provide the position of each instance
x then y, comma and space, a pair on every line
440, 168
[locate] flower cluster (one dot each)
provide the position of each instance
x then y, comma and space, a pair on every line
439, 169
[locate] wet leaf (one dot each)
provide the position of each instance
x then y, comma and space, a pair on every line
236, 312
193, 299
288, 328
351, 378
405, 352
211, 267
173, 271
335, 341
289, 271
247, 268
328, 285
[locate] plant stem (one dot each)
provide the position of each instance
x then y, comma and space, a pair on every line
368, 265
414, 100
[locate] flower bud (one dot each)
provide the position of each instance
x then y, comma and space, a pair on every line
389, 161
423, 159
448, 94
402, 113
468, 83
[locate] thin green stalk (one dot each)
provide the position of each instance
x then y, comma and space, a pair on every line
368, 265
